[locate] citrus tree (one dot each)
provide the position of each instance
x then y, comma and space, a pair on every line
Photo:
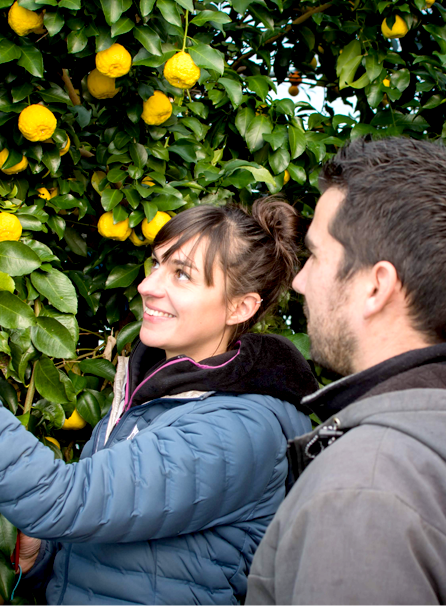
116, 114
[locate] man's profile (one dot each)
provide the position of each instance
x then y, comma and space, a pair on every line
366, 521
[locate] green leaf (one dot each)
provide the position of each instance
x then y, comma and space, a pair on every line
278, 137
89, 407
260, 85
139, 154
6, 282
302, 342
51, 382
80, 280
52, 412
372, 65
243, 119
52, 338
260, 174
150, 210
31, 59
8, 395
73, 5
187, 4
170, 12
8, 535
297, 173
57, 288
401, 79
99, 367
76, 41
259, 126
233, 90
284, 106
169, 202
67, 320
75, 241
22, 351
279, 160
215, 16
57, 224
146, 7
207, 57
115, 175
55, 94
52, 158
127, 334
8, 51
111, 198
297, 142
7, 577
348, 62
113, 9
53, 22
122, 276
21, 92
123, 26
149, 39
14, 313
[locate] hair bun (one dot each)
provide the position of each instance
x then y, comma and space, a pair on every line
280, 220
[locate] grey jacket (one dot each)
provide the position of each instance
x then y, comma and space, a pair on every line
366, 522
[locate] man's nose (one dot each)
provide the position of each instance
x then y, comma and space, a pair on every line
300, 280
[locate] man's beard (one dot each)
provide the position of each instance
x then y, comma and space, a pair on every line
333, 344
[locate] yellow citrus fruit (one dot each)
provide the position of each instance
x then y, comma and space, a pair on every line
75, 421
148, 181
10, 227
293, 90
115, 231
101, 86
151, 229
157, 109
37, 123
96, 178
46, 194
17, 168
429, 3
399, 29
53, 441
136, 241
114, 62
286, 176
181, 71
66, 148
386, 82
24, 21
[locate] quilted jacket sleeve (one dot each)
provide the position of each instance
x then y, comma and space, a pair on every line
204, 470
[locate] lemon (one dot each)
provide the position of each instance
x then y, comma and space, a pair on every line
37, 123
53, 441
399, 29
17, 168
46, 194
101, 86
386, 82
181, 71
429, 3
148, 181
157, 109
66, 148
10, 227
115, 231
74, 422
286, 176
151, 229
114, 62
136, 240
23, 21
293, 90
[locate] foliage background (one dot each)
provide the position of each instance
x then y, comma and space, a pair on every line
68, 299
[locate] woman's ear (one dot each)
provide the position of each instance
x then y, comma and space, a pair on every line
243, 308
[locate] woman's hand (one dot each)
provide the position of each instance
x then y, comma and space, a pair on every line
29, 549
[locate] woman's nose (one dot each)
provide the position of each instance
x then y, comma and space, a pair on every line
152, 285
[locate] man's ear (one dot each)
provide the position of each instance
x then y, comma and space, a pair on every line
243, 308
382, 285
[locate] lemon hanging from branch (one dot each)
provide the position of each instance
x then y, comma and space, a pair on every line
17, 168
157, 109
37, 123
24, 21
101, 86
181, 71
10, 227
114, 62
399, 29
115, 231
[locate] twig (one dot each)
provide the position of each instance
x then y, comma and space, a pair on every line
30, 393
75, 99
298, 21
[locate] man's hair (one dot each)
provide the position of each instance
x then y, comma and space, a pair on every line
395, 210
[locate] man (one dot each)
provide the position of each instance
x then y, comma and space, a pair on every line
366, 521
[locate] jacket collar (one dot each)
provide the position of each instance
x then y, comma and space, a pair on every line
334, 397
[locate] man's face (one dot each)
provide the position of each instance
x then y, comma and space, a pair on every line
328, 305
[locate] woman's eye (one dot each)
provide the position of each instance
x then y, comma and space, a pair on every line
155, 264
181, 275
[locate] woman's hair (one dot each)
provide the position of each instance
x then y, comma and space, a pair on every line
257, 252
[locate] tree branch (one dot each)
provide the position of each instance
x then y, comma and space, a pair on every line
298, 21
75, 99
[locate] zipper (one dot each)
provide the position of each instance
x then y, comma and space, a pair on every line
65, 582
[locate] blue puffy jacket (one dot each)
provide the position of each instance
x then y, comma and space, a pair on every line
170, 508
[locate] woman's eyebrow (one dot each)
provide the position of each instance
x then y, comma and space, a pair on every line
185, 263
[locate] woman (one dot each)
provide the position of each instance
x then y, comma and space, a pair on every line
177, 485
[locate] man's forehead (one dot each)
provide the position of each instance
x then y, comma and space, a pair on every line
326, 208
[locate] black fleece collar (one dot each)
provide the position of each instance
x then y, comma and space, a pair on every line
261, 364
336, 396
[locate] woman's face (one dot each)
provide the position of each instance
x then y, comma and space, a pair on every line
182, 315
